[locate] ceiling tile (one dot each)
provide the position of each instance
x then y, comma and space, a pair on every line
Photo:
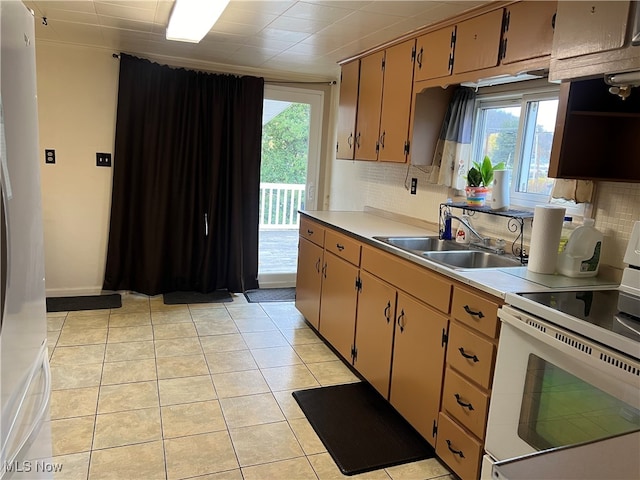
297, 24
400, 8
163, 11
72, 6
236, 28
286, 35
247, 17
124, 24
126, 12
53, 14
261, 6
321, 13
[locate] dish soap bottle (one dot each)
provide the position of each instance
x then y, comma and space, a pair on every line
581, 254
462, 234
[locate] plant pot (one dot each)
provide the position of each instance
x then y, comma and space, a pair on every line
476, 196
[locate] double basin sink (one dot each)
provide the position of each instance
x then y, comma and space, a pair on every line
449, 253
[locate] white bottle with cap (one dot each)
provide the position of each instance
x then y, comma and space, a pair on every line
463, 235
581, 254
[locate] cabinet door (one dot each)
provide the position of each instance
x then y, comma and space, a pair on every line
434, 54
369, 107
347, 110
374, 331
478, 42
309, 281
418, 364
528, 31
589, 27
338, 304
396, 102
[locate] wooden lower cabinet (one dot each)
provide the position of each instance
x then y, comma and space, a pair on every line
338, 303
374, 331
418, 359
309, 280
459, 450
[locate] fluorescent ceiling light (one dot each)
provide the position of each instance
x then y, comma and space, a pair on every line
191, 20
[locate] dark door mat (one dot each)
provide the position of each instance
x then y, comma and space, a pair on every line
179, 298
271, 295
360, 429
88, 302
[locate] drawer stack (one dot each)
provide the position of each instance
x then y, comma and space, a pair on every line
471, 353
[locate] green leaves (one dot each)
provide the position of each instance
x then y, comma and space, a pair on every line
481, 174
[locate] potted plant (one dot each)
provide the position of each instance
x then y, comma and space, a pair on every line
479, 180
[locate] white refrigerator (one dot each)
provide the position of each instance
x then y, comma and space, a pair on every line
25, 380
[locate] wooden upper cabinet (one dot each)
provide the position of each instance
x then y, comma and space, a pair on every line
478, 42
396, 102
369, 106
347, 110
589, 27
434, 54
528, 31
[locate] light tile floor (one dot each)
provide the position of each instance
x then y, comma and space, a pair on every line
152, 391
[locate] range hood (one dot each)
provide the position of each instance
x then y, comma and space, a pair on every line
502, 79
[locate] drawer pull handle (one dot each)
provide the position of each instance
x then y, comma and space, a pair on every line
462, 404
309, 232
455, 452
339, 247
401, 322
387, 310
478, 314
470, 357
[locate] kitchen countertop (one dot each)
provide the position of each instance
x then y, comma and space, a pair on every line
495, 281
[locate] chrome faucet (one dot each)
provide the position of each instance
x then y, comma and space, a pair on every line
484, 242
471, 229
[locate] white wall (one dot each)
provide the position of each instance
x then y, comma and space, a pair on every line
77, 97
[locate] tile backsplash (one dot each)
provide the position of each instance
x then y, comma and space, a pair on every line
385, 187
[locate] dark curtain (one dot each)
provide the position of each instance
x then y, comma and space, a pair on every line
186, 180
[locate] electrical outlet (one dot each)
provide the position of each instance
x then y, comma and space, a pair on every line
414, 185
49, 156
103, 159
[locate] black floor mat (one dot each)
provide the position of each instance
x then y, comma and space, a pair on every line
360, 429
271, 295
179, 298
88, 302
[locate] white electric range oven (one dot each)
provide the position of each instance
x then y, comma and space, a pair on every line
567, 373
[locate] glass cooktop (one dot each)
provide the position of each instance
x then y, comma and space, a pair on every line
598, 307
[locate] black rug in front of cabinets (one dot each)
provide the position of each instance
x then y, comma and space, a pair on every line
360, 429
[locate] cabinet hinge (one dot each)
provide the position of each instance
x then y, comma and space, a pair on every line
383, 62
358, 284
354, 354
445, 337
337, 145
413, 54
434, 431
377, 147
507, 18
450, 61
453, 38
407, 145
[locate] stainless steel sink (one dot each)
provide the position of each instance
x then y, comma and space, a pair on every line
420, 244
466, 259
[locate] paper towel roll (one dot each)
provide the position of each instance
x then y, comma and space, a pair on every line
545, 237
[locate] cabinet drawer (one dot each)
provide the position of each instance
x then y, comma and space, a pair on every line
470, 354
475, 311
459, 450
344, 247
431, 288
312, 231
465, 402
